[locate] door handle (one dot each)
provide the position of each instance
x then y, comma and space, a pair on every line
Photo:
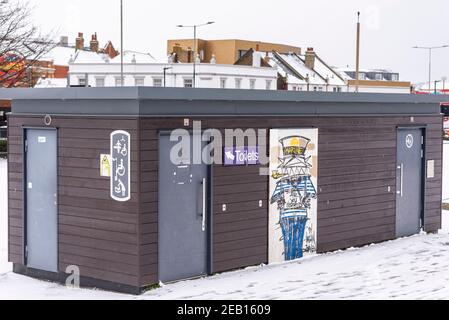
401, 168
204, 203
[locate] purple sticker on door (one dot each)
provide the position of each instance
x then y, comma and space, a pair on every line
240, 156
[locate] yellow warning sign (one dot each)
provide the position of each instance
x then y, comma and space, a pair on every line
105, 165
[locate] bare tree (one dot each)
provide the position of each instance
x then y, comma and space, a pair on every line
21, 43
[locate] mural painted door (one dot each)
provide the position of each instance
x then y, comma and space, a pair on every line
293, 196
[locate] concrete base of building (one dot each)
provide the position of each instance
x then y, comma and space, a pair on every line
85, 282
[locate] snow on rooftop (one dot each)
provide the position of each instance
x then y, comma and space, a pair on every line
327, 73
60, 55
294, 61
134, 57
51, 83
291, 78
90, 57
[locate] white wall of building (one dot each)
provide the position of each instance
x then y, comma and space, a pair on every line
379, 89
180, 75
316, 87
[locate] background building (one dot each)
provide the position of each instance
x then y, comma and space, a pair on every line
58, 59
297, 72
375, 80
224, 51
141, 69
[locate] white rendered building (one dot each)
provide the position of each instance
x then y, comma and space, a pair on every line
143, 70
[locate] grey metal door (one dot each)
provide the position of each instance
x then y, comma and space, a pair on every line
41, 199
183, 214
409, 181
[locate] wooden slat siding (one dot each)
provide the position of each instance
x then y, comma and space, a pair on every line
95, 233
15, 213
357, 159
433, 192
148, 233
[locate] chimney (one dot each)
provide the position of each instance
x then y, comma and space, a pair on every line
256, 59
64, 41
310, 58
94, 45
80, 41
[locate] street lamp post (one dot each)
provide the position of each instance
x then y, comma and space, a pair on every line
165, 73
122, 77
194, 45
435, 86
430, 59
444, 83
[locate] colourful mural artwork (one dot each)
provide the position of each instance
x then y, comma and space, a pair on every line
293, 181
11, 69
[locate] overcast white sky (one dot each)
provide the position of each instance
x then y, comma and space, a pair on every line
390, 27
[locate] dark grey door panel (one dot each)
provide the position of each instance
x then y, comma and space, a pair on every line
41, 199
182, 217
409, 182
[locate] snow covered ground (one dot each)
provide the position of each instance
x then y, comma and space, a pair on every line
410, 268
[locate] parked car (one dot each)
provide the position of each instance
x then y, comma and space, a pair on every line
445, 112
3, 132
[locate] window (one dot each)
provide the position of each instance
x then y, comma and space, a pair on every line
379, 76
238, 83
294, 88
339, 89
223, 83
118, 81
242, 53
82, 81
320, 88
99, 82
252, 83
334, 89
157, 82
394, 77
188, 83
139, 81
268, 84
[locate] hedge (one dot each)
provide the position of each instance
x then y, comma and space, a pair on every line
3, 146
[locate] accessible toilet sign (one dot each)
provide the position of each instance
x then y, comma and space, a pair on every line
240, 156
121, 166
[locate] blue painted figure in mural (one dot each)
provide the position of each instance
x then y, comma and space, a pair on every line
293, 194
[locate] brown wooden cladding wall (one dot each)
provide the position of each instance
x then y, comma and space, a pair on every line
96, 234
357, 158
357, 161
